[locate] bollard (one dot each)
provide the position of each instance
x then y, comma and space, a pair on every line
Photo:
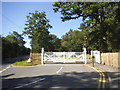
93, 60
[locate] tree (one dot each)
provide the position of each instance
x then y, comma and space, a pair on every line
55, 43
19, 38
12, 47
95, 16
37, 29
73, 40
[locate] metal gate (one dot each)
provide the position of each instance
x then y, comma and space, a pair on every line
64, 57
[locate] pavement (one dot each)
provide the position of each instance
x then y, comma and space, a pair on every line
112, 73
106, 67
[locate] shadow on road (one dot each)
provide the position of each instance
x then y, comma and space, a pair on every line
115, 80
7, 75
66, 80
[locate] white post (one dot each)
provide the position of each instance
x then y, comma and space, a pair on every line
42, 56
91, 53
85, 55
64, 56
98, 56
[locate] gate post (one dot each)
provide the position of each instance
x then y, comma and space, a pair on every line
42, 56
84, 50
64, 56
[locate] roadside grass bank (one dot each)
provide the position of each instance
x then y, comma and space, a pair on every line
25, 63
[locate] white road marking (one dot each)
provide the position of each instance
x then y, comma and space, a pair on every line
27, 84
59, 70
5, 69
109, 78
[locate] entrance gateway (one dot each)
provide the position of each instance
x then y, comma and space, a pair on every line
64, 57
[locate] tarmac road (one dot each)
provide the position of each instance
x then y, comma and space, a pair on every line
50, 76
5, 64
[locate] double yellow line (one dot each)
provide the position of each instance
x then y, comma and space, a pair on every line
102, 79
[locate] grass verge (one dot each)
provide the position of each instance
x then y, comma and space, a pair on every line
25, 63
88, 56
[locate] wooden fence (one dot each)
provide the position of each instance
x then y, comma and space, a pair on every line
111, 59
35, 57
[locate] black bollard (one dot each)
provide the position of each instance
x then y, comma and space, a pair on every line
93, 60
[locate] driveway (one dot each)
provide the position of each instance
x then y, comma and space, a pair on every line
50, 76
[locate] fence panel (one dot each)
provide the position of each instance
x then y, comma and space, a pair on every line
35, 57
111, 59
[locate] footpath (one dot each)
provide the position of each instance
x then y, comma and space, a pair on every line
113, 75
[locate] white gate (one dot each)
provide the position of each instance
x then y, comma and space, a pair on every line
96, 54
64, 57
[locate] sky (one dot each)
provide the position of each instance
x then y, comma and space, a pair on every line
14, 18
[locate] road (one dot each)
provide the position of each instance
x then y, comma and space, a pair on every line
50, 76
7, 63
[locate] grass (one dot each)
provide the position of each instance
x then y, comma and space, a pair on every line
25, 63
88, 56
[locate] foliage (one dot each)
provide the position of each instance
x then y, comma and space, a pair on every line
13, 46
100, 20
19, 38
55, 43
37, 26
73, 40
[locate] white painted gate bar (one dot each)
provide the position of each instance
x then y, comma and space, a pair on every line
65, 56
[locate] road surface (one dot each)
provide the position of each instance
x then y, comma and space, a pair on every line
7, 63
50, 76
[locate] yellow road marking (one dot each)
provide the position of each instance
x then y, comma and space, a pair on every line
103, 79
100, 79
102, 76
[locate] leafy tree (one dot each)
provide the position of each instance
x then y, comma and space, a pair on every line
55, 43
97, 19
10, 38
37, 29
12, 47
19, 38
73, 40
